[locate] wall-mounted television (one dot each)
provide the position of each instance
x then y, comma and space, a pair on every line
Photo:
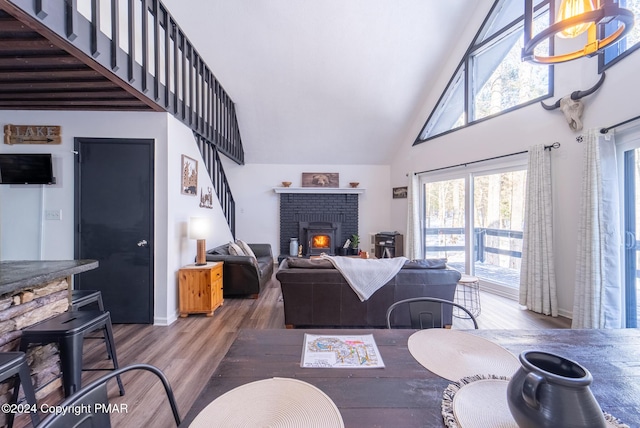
27, 168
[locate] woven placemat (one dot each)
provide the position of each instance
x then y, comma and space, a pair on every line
276, 402
480, 401
454, 354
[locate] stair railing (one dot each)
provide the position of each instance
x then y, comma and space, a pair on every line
145, 48
213, 164
142, 48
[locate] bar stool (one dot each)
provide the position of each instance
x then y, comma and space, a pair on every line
15, 364
67, 330
80, 298
467, 295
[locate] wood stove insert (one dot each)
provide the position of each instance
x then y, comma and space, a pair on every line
319, 237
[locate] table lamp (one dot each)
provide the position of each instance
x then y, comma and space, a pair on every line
199, 229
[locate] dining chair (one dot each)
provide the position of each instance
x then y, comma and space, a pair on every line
95, 400
427, 312
14, 365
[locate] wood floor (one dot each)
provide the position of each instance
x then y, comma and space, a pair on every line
189, 350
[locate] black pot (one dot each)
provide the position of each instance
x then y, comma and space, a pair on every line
550, 391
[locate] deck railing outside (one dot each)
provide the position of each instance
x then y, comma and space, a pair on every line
486, 242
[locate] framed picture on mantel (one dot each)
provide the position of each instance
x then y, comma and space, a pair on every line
320, 179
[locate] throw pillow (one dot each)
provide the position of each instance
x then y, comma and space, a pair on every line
246, 249
300, 263
426, 264
235, 250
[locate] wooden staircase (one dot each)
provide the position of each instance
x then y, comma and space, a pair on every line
95, 55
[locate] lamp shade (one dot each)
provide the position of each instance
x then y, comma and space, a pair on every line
198, 227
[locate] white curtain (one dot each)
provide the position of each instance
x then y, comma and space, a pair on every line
598, 293
413, 242
537, 275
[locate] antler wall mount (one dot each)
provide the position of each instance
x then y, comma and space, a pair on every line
571, 105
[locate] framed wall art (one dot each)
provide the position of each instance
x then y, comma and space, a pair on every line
400, 192
320, 179
206, 199
189, 176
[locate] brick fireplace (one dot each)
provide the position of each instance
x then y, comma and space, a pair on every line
321, 222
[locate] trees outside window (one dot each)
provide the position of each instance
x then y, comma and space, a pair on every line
491, 248
491, 78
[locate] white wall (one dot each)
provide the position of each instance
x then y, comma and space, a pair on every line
179, 208
617, 100
257, 205
25, 235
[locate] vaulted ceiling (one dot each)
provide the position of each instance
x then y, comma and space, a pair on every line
342, 79
314, 82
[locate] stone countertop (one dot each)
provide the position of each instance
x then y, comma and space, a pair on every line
21, 274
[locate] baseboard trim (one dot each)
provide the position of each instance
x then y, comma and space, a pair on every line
565, 313
514, 294
500, 290
165, 321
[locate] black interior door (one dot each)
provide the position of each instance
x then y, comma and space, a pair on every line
114, 224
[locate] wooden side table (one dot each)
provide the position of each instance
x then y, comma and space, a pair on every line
200, 288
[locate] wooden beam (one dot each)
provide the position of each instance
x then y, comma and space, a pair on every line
29, 61
28, 46
45, 75
84, 94
7, 87
45, 32
84, 104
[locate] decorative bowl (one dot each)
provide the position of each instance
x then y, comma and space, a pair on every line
354, 184
286, 183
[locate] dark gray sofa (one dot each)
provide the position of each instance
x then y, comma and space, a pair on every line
243, 275
321, 297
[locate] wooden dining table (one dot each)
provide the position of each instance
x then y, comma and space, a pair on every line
404, 393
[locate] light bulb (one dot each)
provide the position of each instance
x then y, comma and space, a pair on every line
569, 9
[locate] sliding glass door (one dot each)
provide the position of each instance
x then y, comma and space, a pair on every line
445, 221
630, 171
475, 220
498, 208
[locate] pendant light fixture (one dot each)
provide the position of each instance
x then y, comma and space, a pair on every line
569, 9
574, 18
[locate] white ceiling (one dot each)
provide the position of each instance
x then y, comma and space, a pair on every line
347, 77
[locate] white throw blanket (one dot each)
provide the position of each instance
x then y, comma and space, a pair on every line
366, 276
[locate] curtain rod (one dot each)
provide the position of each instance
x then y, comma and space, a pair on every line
552, 146
605, 130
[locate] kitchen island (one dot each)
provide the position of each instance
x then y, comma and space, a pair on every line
32, 291
22, 274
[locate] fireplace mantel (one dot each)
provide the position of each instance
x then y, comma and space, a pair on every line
323, 190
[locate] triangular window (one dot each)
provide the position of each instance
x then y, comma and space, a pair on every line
628, 44
491, 78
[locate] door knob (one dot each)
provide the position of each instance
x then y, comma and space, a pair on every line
142, 243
